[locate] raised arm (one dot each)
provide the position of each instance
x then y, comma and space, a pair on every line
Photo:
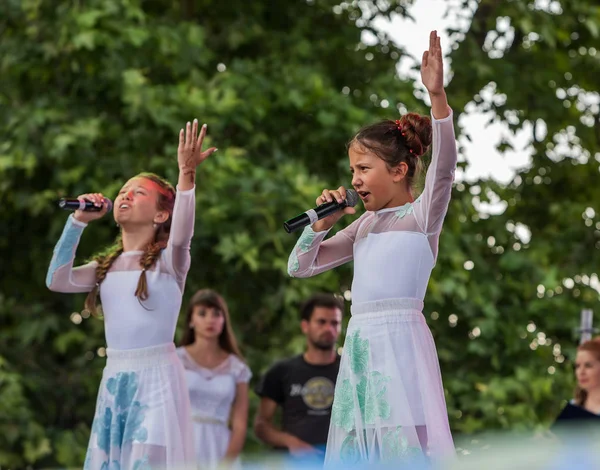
177, 253
62, 276
189, 156
436, 194
440, 175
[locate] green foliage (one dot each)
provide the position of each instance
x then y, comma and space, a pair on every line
95, 92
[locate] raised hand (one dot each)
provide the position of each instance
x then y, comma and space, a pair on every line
189, 152
432, 66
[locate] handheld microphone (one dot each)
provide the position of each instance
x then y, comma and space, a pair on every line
320, 212
72, 204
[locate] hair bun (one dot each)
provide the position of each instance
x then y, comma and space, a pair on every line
417, 131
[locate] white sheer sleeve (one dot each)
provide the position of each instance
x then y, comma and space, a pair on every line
241, 371
62, 276
312, 255
177, 253
434, 201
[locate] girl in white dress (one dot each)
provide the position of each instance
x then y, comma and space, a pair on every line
217, 379
389, 400
142, 416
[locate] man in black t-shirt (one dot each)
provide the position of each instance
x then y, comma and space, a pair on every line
303, 385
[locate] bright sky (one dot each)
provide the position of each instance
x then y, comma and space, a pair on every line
483, 159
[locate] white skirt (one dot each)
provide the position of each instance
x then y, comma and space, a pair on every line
212, 439
389, 400
143, 418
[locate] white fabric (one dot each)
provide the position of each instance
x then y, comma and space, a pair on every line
212, 392
389, 402
137, 424
146, 323
400, 273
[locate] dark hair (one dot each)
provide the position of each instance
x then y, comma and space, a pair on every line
404, 140
591, 346
165, 202
319, 300
211, 299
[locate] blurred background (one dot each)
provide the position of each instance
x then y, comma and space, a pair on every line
93, 92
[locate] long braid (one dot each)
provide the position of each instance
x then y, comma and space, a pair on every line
104, 261
147, 261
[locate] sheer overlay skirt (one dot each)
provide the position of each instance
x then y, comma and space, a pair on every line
143, 418
389, 400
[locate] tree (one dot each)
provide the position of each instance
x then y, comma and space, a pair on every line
92, 94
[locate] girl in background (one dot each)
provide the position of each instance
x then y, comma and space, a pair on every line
217, 379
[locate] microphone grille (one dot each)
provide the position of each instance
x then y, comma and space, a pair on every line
351, 197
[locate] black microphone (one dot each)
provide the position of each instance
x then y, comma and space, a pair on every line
72, 204
320, 212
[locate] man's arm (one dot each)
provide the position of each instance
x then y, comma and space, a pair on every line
266, 431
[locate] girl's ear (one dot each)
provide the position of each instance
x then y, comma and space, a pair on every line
161, 217
399, 172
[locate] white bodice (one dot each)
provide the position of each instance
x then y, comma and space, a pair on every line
130, 323
391, 265
212, 391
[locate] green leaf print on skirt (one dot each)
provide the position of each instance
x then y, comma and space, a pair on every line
394, 447
368, 397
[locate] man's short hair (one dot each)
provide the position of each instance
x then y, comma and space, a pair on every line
320, 300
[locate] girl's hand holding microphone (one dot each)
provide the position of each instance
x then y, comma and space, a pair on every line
331, 195
86, 216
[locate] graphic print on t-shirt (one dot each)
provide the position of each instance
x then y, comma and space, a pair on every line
317, 394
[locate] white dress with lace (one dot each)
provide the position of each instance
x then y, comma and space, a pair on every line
142, 416
212, 393
389, 400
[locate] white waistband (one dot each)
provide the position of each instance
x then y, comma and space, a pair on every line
132, 359
207, 420
403, 305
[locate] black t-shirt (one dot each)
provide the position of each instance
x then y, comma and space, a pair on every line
305, 393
